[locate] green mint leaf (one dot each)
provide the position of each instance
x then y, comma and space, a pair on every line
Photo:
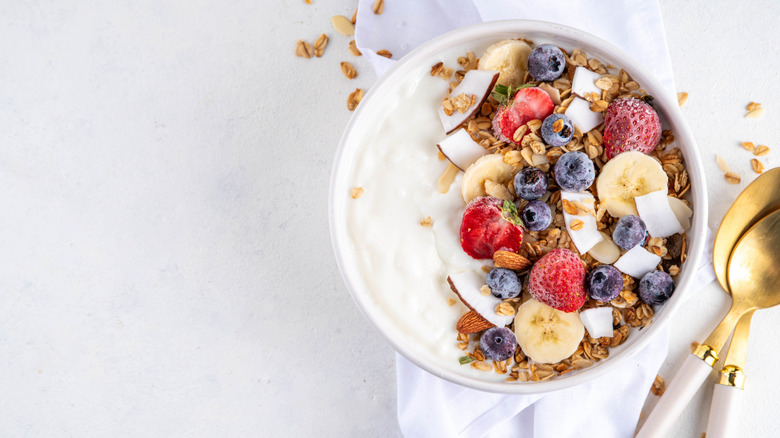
465, 359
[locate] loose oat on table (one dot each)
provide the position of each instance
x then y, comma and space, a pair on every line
761, 150
353, 49
682, 97
303, 49
749, 145
732, 178
757, 166
348, 70
319, 45
354, 99
354, 17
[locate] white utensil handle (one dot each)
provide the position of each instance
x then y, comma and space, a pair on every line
677, 395
724, 412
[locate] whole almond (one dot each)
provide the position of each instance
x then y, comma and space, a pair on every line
472, 322
511, 260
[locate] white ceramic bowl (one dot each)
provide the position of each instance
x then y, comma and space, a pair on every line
359, 134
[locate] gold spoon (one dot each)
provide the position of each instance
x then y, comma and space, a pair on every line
758, 199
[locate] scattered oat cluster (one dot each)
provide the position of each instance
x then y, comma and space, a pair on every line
758, 151
343, 26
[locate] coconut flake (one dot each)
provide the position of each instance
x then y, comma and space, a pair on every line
461, 149
598, 321
467, 286
637, 262
476, 82
584, 82
659, 217
580, 114
606, 251
588, 236
682, 211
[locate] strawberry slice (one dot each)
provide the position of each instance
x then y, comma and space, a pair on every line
489, 225
528, 104
630, 125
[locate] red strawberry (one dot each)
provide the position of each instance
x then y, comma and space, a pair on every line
528, 104
558, 280
490, 224
630, 125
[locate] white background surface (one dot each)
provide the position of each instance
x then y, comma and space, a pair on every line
166, 263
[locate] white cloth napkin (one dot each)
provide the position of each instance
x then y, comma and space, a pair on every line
606, 407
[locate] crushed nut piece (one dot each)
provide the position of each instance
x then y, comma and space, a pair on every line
354, 17
761, 150
357, 192
682, 98
379, 6
451, 302
384, 53
303, 49
558, 125
757, 166
348, 70
659, 386
755, 113
354, 99
485, 290
447, 177
427, 222
437, 68
732, 178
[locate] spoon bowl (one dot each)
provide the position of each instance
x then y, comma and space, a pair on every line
757, 200
753, 271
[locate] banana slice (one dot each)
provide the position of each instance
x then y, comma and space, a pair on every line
626, 176
547, 335
489, 167
510, 57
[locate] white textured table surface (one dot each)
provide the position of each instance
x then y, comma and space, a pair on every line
166, 263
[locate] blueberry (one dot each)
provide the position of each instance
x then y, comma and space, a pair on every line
546, 62
536, 216
530, 183
498, 343
629, 232
564, 133
574, 171
656, 287
604, 283
504, 283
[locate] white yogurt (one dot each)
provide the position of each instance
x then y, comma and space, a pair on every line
406, 264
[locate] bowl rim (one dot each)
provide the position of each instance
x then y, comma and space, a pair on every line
682, 132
